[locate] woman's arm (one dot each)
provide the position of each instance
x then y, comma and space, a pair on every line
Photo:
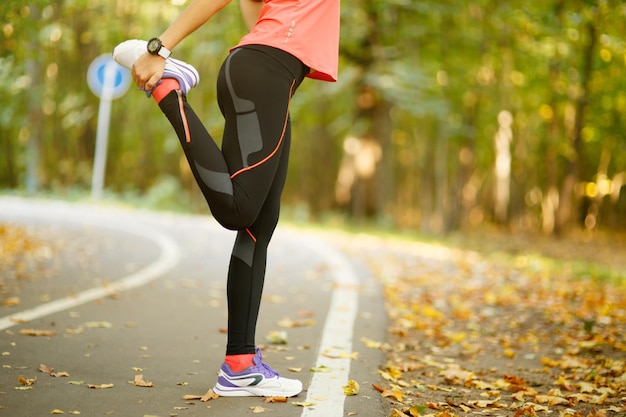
148, 69
250, 10
195, 15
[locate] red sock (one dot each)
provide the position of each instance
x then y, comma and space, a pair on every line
239, 362
165, 86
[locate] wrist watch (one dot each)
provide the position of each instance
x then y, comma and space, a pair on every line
155, 47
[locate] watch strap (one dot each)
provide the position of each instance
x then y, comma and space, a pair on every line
164, 52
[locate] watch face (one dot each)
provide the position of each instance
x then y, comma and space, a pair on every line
154, 45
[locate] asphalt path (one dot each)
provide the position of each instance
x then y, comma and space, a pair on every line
138, 297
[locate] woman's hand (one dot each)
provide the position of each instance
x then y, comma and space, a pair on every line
148, 70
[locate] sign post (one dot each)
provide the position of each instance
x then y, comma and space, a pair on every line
108, 81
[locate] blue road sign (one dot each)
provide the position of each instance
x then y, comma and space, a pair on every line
106, 78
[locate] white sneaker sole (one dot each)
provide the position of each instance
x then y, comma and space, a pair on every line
256, 391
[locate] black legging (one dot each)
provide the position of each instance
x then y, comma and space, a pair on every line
243, 182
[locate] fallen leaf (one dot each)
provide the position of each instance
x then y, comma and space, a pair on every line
392, 373
438, 388
321, 368
210, 395
275, 400
304, 404
485, 403
483, 385
417, 410
617, 409
288, 323
529, 409
98, 325
35, 332
352, 388
57, 411
11, 301
26, 381
599, 400
45, 369
101, 386
550, 399
395, 394
277, 337
257, 409
372, 344
549, 362
139, 382
340, 355
456, 375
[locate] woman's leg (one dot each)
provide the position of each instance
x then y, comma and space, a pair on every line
243, 182
246, 273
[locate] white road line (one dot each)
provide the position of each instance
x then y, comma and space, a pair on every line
169, 257
326, 388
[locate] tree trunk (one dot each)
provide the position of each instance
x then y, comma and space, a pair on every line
569, 202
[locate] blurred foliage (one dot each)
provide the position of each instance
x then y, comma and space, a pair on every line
407, 136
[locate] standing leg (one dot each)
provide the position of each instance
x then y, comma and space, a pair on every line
247, 266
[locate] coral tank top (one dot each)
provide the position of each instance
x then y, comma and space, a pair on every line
307, 29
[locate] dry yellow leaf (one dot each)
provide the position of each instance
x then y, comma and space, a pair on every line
352, 388
26, 381
372, 344
550, 399
101, 386
139, 382
35, 332
275, 400
600, 399
303, 403
483, 385
456, 375
210, 395
12, 301
277, 337
395, 394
